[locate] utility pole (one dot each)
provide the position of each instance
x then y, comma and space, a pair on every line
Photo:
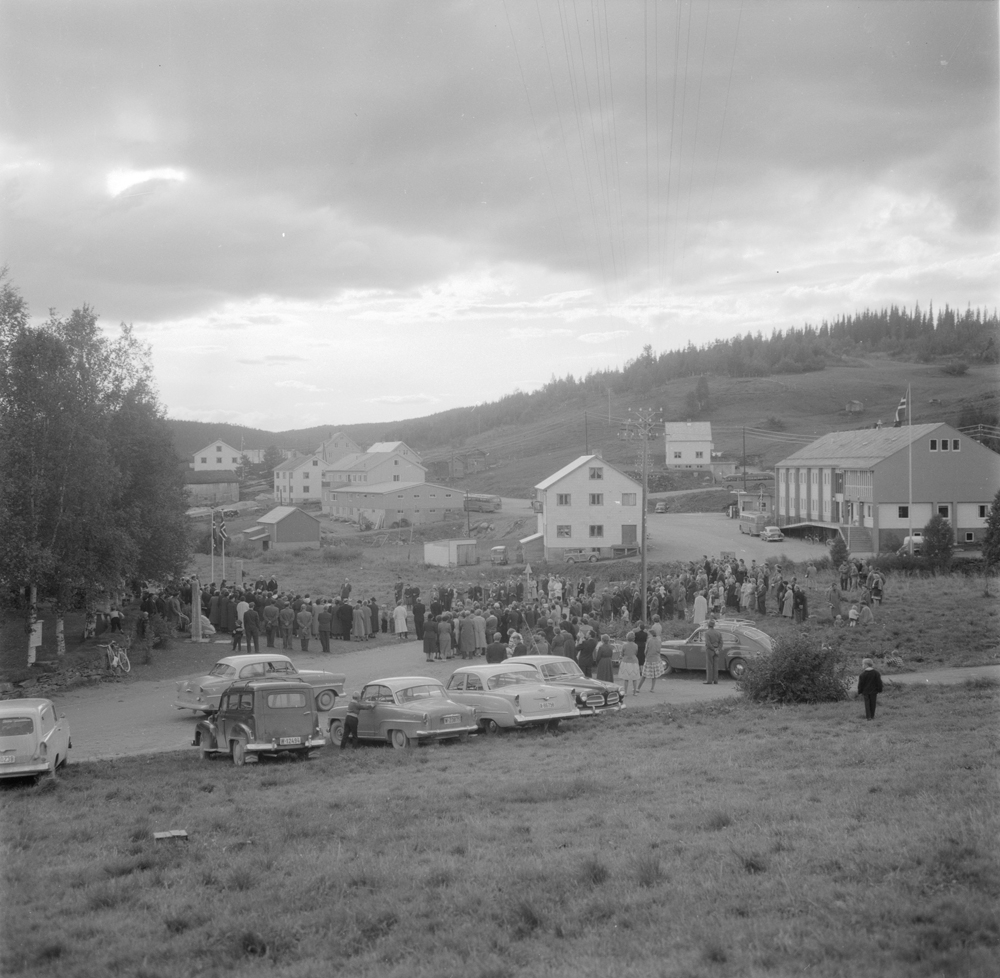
744, 458
586, 436
643, 424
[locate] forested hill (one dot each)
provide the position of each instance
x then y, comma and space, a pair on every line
799, 380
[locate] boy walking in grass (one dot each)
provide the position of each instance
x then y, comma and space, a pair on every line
869, 686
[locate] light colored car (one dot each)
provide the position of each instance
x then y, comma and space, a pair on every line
592, 695
406, 711
771, 534
661, 507
262, 716
34, 739
741, 640
202, 693
581, 556
508, 695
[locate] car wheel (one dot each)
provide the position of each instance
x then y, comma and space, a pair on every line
489, 726
570, 560
326, 700
737, 668
336, 732
592, 558
239, 751
667, 668
206, 747
400, 741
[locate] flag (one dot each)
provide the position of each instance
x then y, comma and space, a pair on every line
903, 409
223, 535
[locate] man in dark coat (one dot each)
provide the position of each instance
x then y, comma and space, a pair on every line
496, 651
418, 618
346, 615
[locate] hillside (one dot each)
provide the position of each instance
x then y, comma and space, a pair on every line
520, 455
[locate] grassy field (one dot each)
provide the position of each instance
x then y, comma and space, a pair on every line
709, 841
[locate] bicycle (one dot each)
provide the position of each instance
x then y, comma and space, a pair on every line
117, 657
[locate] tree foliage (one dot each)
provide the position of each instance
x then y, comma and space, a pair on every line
991, 541
797, 671
838, 551
939, 541
90, 494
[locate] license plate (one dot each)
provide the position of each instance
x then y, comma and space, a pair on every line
7, 758
285, 741
450, 719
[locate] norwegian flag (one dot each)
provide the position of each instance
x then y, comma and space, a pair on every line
219, 533
903, 409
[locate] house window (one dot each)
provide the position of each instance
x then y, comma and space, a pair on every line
399, 496
563, 499
628, 499
597, 499
596, 473
903, 512
433, 495
432, 511
235, 461
563, 531
699, 454
944, 511
954, 444
933, 444
596, 531
395, 461
204, 460
970, 537
982, 512
677, 454
315, 461
218, 448
395, 478
826, 477
944, 444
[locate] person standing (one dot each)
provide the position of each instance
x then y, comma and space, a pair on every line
652, 668
304, 619
286, 618
713, 649
351, 722
346, 615
325, 620
585, 653
496, 651
628, 671
430, 640
444, 635
251, 626
604, 658
399, 620
270, 620
869, 686
419, 610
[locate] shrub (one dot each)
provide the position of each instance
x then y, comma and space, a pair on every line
938, 542
955, 369
797, 671
337, 555
838, 551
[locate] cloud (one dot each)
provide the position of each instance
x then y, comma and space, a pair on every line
120, 180
536, 332
404, 399
606, 337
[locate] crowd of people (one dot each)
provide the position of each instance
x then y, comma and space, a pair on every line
546, 614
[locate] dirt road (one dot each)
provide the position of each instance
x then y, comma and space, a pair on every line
137, 717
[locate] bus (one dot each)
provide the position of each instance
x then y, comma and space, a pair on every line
478, 503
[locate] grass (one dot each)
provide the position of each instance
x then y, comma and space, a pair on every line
720, 840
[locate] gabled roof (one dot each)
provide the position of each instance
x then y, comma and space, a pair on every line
381, 488
296, 463
364, 461
281, 512
381, 447
576, 464
859, 449
212, 444
208, 477
688, 430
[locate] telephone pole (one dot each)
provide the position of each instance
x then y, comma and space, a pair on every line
643, 424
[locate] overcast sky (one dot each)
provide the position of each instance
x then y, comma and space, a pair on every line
339, 212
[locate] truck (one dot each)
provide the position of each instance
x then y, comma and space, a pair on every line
753, 523
481, 503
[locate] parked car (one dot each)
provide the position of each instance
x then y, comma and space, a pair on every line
406, 711
741, 640
231, 514
581, 556
508, 695
202, 693
498, 555
661, 507
262, 716
34, 740
592, 695
918, 543
771, 534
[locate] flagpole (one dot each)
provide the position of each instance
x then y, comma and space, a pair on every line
909, 449
211, 533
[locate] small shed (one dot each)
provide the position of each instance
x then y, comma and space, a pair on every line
285, 528
211, 488
854, 407
451, 553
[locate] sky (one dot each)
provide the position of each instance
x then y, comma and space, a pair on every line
339, 212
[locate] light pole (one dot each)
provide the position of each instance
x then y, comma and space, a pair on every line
643, 423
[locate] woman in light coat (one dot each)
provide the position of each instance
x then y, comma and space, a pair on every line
444, 636
628, 671
652, 668
399, 621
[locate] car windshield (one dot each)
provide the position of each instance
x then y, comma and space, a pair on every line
424, 692
16, 726
556, 669
222, 670
502, 679
286, 701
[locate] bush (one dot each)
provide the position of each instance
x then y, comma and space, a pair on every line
338, 554
939, 541
955, 369
797, 671
838, 551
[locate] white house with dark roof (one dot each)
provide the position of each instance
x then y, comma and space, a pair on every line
368, 469
299, 480
688, 445
859, 482
588, 505
216, 456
